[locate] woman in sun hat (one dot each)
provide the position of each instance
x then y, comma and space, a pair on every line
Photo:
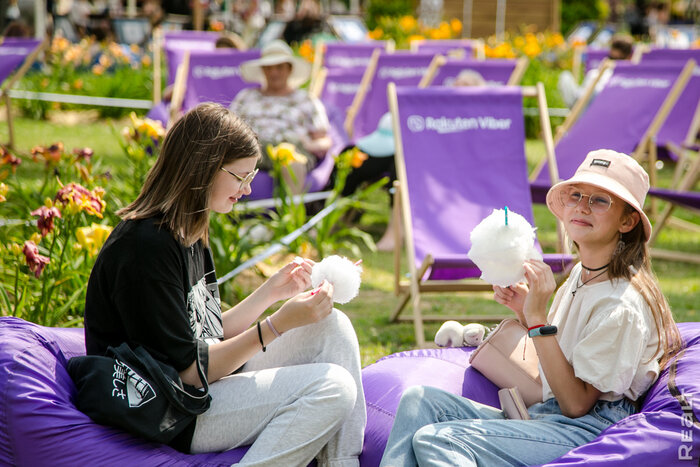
606, 337
280, 112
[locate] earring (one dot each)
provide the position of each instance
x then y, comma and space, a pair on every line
618, 248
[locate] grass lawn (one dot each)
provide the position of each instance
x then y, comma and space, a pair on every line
370, 312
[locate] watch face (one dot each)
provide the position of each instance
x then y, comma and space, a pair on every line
548, 330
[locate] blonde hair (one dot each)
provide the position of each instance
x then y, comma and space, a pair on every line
179, 185
632, 261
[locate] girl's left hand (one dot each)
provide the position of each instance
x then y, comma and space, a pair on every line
541, 284
290, 281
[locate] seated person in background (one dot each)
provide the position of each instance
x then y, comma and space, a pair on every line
280, 112
621, 48
379, 147
469, 78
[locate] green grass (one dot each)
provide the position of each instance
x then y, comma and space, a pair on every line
370, 311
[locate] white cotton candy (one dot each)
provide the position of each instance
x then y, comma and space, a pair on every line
500, 250
342, 273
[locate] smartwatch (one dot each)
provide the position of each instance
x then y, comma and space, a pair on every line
543, 331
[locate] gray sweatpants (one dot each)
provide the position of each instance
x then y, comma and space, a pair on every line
300, 399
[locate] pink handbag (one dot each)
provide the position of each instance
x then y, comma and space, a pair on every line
508, 360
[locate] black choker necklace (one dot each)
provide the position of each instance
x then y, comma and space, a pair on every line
594, 270
582, 283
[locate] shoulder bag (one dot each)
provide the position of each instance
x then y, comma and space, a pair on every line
507, 361
129, 389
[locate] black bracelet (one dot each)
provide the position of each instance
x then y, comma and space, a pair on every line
260, 337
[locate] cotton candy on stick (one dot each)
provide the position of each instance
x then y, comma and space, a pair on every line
501, 244
342, 273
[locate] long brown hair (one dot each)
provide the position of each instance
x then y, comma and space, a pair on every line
179, 185
632, 262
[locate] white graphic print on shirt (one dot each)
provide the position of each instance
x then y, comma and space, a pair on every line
205, 313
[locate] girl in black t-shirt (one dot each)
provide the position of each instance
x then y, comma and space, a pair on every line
154, 285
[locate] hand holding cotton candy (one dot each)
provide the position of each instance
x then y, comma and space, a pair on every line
342, 273
501, 244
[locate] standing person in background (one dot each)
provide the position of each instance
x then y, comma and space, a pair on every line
608, 334
290, 384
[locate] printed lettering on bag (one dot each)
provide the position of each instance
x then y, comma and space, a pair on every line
138, 390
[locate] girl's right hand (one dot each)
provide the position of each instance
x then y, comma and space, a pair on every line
306, 308
513, 297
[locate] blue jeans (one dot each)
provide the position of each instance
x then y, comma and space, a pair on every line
437, 428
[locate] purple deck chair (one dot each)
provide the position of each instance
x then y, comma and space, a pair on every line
620, 117
444, 47
592, 57
176, 42
494, 71
350, 56
677, 128
214, 76
460, 154
13, 53
403, 68
340, 87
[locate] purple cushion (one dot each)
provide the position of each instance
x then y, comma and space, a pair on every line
37, 413
653, 437
39, 424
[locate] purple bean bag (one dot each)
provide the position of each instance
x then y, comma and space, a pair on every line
39, 424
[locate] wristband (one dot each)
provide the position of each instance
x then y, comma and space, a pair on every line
535, 327
542, 331
272, 328
260, 337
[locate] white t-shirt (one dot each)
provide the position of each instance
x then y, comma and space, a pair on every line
607, 333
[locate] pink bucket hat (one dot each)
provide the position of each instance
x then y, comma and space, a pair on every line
614, 172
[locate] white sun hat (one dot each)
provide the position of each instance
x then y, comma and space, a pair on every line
274, 53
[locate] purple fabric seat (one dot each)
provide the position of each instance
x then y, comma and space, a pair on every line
403, 69
13, 52
690, 199
40, 426
464, 156
444, 46
618, 118
677, 125
350, 56
214, 76
494, 71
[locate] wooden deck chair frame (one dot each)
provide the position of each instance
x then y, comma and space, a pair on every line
515, 77
361, 93
179, 87
416, 285
686, 183
4, 90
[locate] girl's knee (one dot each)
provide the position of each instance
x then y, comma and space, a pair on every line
340, 389
428, 438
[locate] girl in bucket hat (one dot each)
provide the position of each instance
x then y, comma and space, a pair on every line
607, 335
280, 112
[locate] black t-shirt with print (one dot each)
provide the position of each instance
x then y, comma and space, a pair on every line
148, 289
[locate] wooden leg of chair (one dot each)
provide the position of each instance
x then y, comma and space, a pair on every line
418, 321
10, 127
403, 300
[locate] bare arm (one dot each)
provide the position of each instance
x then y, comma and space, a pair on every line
575, 396
230, 354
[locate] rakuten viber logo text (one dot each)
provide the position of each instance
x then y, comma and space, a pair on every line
417, 123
